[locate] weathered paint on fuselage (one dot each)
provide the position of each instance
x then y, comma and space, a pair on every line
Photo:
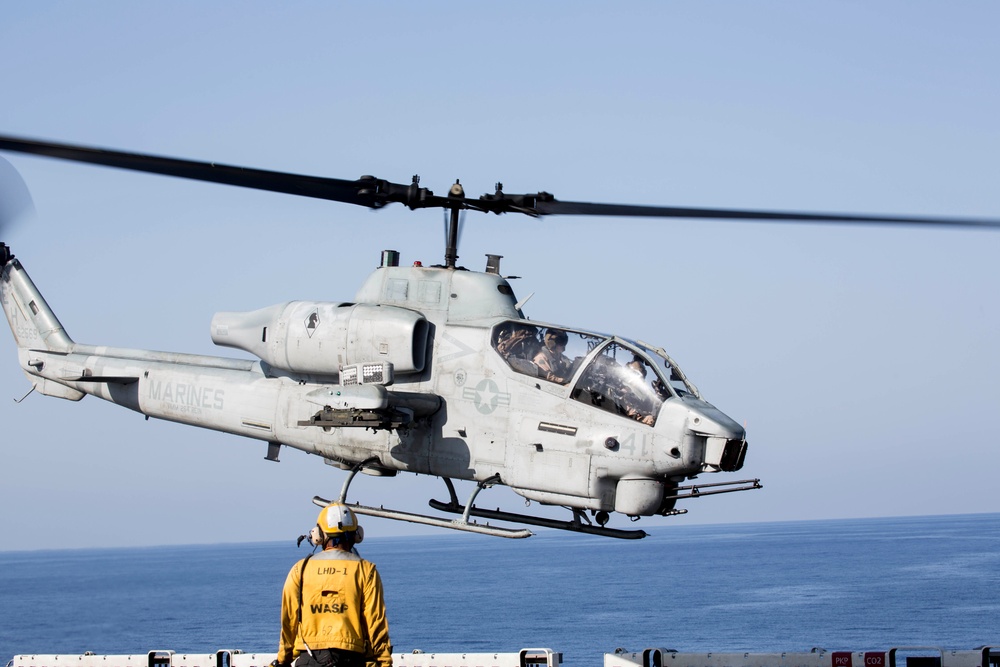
492, 420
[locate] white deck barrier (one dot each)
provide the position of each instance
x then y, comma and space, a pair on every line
527, 657
901, 656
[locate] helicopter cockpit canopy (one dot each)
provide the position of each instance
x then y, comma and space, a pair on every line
550, 353
621, 377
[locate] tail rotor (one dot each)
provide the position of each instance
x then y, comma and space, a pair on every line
15, 205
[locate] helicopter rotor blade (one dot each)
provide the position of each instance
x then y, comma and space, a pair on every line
365, 191
555, 207
376, 193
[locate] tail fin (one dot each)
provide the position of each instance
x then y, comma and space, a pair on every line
32, 322
34, 325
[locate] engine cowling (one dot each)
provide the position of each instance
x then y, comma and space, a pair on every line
321, 337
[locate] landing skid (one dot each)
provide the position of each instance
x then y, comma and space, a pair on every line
574, 525
578, 524
398, 515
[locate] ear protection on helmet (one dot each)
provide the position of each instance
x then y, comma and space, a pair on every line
316, 536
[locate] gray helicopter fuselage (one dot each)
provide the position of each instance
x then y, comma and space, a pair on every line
410, 376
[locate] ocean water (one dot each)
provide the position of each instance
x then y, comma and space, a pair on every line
859, 584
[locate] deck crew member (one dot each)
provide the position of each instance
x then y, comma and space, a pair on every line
332, 606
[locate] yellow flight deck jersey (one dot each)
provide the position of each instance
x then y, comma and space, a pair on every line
342, 607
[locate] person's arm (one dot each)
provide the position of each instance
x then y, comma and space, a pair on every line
289, 614
375, 618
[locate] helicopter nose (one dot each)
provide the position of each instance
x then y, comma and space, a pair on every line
725, 440
712, 440
726, 455
709, 421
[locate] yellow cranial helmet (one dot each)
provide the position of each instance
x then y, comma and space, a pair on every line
334, 519
337, 518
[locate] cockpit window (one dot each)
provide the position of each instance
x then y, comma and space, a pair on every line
677, 381
621, 381
549, 353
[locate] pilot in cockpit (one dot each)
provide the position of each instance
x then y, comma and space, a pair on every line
553, 364
636, 401
517, 343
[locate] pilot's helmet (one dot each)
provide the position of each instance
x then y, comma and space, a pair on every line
558, 336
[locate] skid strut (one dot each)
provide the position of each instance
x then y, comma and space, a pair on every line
350, 477
398, 515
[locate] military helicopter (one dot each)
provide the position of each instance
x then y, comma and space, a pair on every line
432, 370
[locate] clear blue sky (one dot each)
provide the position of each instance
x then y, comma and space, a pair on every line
864, 361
